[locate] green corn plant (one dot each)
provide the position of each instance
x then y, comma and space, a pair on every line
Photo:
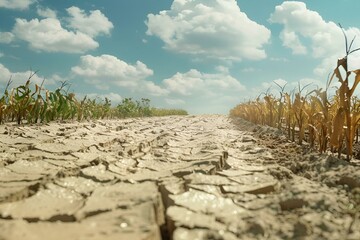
106, 108
144, 107
22, 100
127, 108
34, 114
4, 103
42, 105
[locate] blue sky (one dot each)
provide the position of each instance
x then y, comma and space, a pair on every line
204, 56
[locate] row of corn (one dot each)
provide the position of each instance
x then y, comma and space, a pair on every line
326, 123
29, 104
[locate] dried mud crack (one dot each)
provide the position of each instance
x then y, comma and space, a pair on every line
192, 177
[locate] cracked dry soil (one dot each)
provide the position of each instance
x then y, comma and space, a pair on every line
181, 178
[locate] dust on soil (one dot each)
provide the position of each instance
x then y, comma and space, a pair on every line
192, 177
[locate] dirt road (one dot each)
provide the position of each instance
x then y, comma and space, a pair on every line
193, 177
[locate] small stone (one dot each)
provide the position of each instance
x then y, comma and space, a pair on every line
293, 203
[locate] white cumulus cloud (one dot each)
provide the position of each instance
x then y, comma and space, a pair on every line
20, 78
325, 37
107, 70
48, 35
111, 69
92, 24
153, 89
193, 82
210, 28
291, 40
6, 37
16, 4
174, 101
46, 12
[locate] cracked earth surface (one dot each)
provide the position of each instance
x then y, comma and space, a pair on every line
192, 177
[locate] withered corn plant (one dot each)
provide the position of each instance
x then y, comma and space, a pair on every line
325, 123
35, 112
320, 119
270, 109
345, 121
299, 112
280, 105
289, 117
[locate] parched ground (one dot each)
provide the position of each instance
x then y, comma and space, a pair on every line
181, 178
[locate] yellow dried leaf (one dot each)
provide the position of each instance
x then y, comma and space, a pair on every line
338, 125
356, 82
